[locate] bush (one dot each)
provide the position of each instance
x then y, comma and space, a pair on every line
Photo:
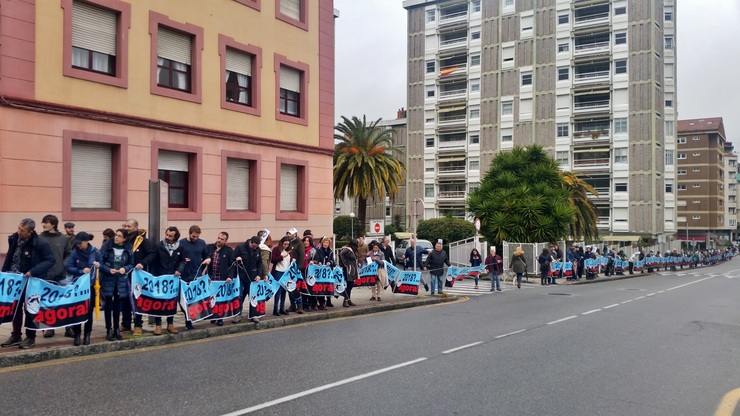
448, 229
343, 227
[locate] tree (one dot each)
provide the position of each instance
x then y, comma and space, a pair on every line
522, 198
364, 164
585, 218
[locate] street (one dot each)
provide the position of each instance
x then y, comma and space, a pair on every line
665, 344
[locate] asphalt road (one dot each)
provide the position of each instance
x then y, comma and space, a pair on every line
661, 345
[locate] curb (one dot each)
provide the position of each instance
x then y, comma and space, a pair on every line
33, 356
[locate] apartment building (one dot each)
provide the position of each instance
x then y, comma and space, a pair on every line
231, 102
704, 179
591, 81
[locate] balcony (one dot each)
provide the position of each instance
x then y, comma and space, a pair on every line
591, 160
454, 70
591, 102
450, 91
451, 192
592, 44
454, 141
591, 16
591, 73
454, 166
454, 14
452, 117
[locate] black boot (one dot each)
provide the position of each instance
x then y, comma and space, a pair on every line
118, 335
69, 333
109, 334
86, 339
76, 342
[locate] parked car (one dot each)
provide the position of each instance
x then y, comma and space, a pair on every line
403, 245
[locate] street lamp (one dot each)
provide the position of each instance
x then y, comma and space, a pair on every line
352, 225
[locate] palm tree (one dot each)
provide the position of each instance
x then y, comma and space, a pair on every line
585, 217
364, 164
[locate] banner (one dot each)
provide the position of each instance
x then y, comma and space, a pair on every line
393, 272
228, 299
368, 275
638, 265
259, 293
196, 299
319, 280
591, 265
58, 306
568, 269
341, 285
407, 283
11, 288
459, 273
155, 295
555, 268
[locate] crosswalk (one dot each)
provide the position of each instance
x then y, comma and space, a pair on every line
467, 288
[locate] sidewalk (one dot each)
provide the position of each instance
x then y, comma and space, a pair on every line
61, 347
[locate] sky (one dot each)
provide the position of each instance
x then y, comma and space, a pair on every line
371, 60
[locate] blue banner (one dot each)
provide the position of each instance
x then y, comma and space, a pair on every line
368, 275
155, 295
259, 293
341, 285
591, 265
58, 306
11, 287
555, 268
460, 273
292, 279
228, 299
407, 283
392, 272
568, 269
319, 280
196, 299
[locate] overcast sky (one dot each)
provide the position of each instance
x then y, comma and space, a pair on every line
371, 60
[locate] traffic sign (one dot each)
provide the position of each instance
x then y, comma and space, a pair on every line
377, 227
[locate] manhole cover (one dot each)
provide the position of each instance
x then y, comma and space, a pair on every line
560, 294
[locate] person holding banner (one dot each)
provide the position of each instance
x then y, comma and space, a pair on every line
248, 260
61, 249
144, 255
280, 262
117, 260
32, 257
495, 268
377, 256
170, 261
297, 253
324, 256
222, 257
82, 260
475, 260
348, 263
436, 261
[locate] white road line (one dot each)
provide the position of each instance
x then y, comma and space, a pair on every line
463, 347
641, 297
511, 333
562, 320
661, 291
611, 306
690, 283
626, 301
590, 312
650, 294
321, 388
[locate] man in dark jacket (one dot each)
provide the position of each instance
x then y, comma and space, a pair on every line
249, 265
145, 254
221, 255
388, 250
169, 261
32, 257
61, 249
436, 261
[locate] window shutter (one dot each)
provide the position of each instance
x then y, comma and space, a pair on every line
238, 62
291, 8
94, 28
92, 181
237, 184
174, 46
290, 79
288, 188
176, 161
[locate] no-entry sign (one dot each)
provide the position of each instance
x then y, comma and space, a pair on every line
377, 227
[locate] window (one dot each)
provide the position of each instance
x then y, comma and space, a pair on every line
696, 217
681, 187
526, 22
291, 90
696, 185
620, 38
527, 78
237, 184
431, 15
563, 18
292, 200
563, 73
429, 169
428, 190
475, 6
474, 113
668, 42
563, 47
681, 172
696, 154
620, 187
695, 201
173, 168
508, 3
176, 67
668, 187
388, 211
681, 140
620, 125
695, 138
430, 141
475, 34
668, 71
96, 43
430, 120
507, 108
669, 103
240, 75
620, 66
506, 137
94, 181
563, 129
475, 138
474, 60
507, 55
474, 164
430, 92
240, 186
474, 86
669, 128
669, 155
563, 157
668, 16
620, 10
620, 155
292, 11
430, 67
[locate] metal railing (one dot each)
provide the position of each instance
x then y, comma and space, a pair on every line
592, 17
589, 47
452, 16
452, 119
451, 42
453, 93
591, 162
460, 251
452, 143
591, 104
591, 76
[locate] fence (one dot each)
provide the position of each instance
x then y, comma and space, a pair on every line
460, 251
531, 252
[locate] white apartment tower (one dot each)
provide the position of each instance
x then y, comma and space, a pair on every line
593, 81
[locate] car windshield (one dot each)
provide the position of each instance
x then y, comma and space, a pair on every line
426, 245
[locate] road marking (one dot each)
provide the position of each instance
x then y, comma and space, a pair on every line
511, 333
661, 291
322, 388
463, 347
728, 404
641, 297
650, 294
562, 320
590, 312
626, 301
611, 306
690, 283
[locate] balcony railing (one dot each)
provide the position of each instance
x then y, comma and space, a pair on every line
452, 17
451, 94
452, 120
452, 144
590, 135
592, 19
451, 169
586, 77
454, 69
591, 105
592, 162
594, 47
451, 194
449, 43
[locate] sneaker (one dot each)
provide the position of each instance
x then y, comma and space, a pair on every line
137, 331
171, 329
12, 342
189, 326
256, 320
48, 333
27, 343
499, 289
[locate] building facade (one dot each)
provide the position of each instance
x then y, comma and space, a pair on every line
707, 168
593, 82
231, 102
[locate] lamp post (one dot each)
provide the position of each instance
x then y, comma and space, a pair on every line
352, 225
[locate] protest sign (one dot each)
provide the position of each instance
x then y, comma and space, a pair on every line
58, 306
155, 295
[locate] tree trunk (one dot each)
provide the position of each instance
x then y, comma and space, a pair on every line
361, 214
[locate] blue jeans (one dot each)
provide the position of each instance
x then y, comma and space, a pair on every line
495, 281
437, 280
519, 277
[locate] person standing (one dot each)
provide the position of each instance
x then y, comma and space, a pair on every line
61, 249
518, 265
170, 261
196, 255
348, 263
69, 231
362, 247
280, 262
414, 255
82, 260
145, 254
544, 261
297, 253
494, 266
222, 256
475, 261
324, 256
117, 260
436, 261
249, 260
388, 250
377, 256
32, 257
